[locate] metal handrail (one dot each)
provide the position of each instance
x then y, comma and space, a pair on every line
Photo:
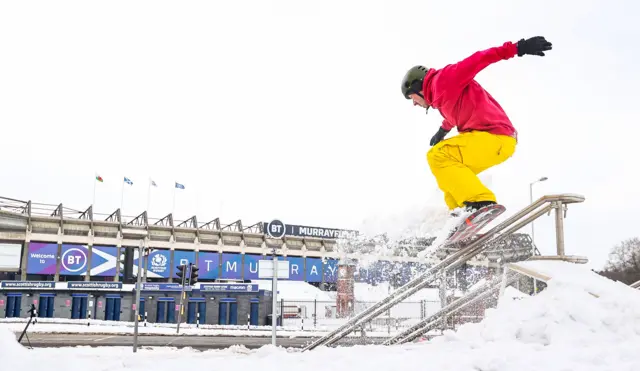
452, 261
479, 293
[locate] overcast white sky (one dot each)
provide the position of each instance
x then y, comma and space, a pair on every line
292, 109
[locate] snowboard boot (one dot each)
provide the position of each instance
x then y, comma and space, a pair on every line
477, 205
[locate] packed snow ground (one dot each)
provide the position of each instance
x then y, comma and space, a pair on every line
292, 328
579, 322
64, 326
295, 293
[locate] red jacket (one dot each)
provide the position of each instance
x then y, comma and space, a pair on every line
461, 100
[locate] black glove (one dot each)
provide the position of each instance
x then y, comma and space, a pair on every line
439, 136
533, 46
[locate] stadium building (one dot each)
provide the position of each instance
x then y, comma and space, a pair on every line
74, 264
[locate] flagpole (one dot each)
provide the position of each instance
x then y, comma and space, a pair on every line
93, 204
121, 198
173, 209
148, 195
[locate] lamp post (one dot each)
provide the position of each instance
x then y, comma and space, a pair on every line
531, 201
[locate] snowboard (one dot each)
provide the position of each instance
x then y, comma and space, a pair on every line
472, 224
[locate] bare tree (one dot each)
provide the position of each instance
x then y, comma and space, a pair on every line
624, 261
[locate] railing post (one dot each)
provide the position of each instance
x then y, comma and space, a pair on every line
560, 227
315, 312
282, 312
443, 295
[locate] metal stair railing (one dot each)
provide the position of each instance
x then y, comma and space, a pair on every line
480, 293
525, 216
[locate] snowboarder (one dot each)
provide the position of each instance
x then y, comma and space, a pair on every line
487, 137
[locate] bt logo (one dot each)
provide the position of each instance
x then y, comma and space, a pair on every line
74, 260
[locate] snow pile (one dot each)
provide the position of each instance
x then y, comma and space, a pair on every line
580, 322
10, 351
513, 293
562, 318
577, 275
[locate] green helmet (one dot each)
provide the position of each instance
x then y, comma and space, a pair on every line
412, 81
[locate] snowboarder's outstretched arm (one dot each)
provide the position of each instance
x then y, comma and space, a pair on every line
454, 77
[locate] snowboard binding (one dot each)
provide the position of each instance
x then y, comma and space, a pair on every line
469, 228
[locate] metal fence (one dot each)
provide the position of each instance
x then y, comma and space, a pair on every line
322, 315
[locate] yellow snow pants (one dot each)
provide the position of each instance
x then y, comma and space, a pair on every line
455, 163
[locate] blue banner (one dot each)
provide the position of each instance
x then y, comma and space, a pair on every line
95, 285
206, 287
104, 260
373, 273
364, 272
296, 268
330, 270
381, 272
73, 260
313, 270
164, 287
41, 258
251, 266
183, 257
159, 264
231, 266
406, 272
27, 285
208, 265
229, 287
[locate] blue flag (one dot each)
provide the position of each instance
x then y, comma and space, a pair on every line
128, 181
179, 186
